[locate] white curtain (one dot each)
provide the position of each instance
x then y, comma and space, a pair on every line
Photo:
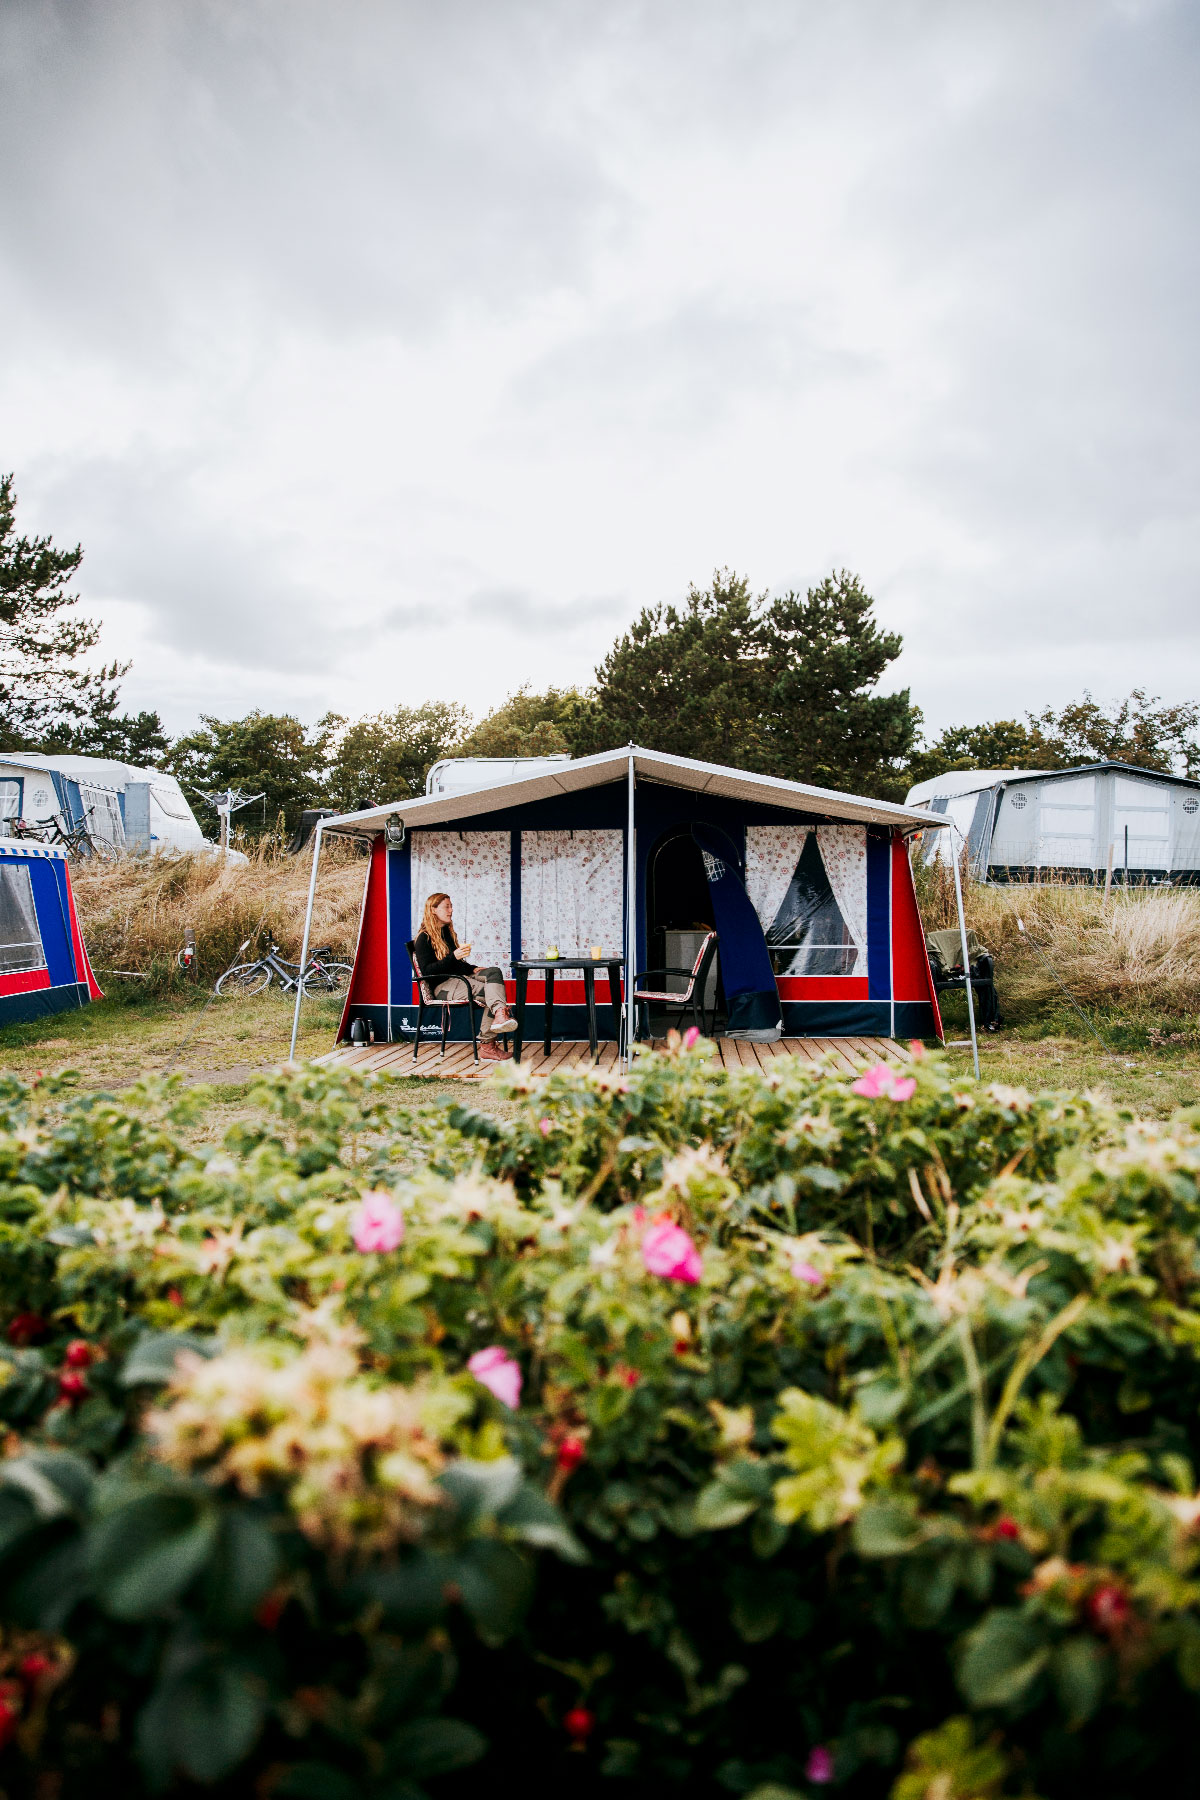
844, 853
571, 891
474, 868
772, 852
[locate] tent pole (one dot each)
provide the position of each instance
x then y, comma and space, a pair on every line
962, 933
630, 920
312, 894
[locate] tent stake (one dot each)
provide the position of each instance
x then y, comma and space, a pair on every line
312, 894
962, 933
630, 922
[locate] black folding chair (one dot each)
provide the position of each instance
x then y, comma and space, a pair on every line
689, 998
430, 999
946, 967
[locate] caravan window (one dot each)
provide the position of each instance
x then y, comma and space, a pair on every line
10, 800
102, 814
20, 939
172, 803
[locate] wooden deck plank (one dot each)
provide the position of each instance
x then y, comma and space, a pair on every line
844, 1055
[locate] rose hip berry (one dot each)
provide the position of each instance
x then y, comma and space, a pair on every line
570, 1453
72, 1386
79, 1355
579, 1724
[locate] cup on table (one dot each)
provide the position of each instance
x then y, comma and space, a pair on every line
597, 952
551, 952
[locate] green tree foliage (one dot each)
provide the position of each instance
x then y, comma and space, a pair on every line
784, 686
1140, 730
525, 725
43, 689
138, 738
387, 756
824, 656
271, 753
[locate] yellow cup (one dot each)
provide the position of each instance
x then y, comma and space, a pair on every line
597, 952
551, 952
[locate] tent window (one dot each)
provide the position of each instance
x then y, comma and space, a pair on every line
20, 939
809, 934
102, 814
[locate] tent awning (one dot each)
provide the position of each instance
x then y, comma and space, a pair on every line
649, 765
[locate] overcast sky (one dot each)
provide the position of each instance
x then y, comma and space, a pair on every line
379, 352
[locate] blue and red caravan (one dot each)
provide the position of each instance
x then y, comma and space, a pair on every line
810, 893
44, 965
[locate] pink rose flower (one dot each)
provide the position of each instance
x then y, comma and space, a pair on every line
495, 1370
545, 1126
667, 1250
691, 1036
804, 1271
882, 1083
378, 1222
819, 1767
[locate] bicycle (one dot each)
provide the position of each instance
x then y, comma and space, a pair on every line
76, 838
322, 974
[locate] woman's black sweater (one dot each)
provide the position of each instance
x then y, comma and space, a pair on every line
437, 968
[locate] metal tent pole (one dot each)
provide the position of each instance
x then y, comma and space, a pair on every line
630, 920
962, 933
312, 894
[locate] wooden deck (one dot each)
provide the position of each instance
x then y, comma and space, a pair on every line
849, 1055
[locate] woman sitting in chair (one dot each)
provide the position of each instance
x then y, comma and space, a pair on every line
443, 963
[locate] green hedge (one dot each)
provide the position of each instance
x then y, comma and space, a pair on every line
681, 1431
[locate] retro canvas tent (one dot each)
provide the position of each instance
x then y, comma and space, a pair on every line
44, 966
810, 891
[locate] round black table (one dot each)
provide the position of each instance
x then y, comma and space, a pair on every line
549, 967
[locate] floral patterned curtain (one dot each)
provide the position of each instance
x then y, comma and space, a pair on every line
844, 853
571, 891
473, 867
772, 852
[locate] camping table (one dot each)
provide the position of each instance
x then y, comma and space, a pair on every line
549, 966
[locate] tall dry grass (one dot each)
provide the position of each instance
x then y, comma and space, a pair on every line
134, 911
1139, 951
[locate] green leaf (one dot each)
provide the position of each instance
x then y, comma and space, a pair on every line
151, 1362
886, 1528
55, 1481
1079, 1669
203, 1723
426, 1747
716, 1508
242, 1567
143, 1555
1001, 1659
480, 1489
496, 1584
537, 1521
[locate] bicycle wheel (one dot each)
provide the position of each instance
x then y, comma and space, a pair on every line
243, 980
328, 978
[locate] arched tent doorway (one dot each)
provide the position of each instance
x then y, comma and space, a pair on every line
679, 910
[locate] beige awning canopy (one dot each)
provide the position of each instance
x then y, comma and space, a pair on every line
649, 765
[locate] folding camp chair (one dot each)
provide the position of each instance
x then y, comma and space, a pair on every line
689, 998
429, 998
946, 967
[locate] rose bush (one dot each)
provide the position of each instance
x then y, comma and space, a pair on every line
854, 1424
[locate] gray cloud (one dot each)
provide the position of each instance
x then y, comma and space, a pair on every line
332, 331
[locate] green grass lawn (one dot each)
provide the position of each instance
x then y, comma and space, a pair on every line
226, 1043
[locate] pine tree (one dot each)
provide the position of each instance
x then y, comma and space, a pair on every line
785, 686
43, 690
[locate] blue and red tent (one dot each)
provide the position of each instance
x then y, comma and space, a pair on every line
810, 892
44, 965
